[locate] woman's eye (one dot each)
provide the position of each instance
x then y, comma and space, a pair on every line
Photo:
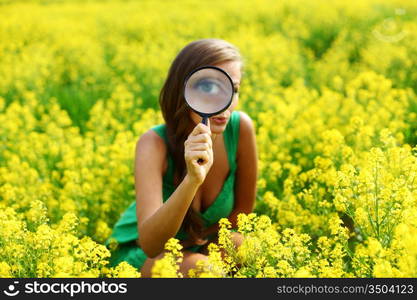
208, 86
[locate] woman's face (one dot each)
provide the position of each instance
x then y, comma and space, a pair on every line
219, 122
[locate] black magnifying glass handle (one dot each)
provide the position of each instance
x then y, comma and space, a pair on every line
204, 121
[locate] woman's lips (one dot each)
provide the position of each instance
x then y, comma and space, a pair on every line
219, 121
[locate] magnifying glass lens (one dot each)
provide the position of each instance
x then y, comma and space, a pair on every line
208, 91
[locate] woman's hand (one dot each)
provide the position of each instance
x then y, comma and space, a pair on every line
201, 241
192, 242
199, 145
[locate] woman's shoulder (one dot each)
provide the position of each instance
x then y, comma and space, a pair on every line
241, 119
244, 120
156, 132
241, 124
160, 130
153, 139
151, 148
246, 131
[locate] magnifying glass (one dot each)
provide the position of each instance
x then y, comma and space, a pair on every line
208, 91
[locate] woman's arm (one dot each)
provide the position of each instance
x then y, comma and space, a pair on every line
157, 221
246, 174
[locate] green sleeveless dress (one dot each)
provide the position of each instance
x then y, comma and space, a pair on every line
125, 230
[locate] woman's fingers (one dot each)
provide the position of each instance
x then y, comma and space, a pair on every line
187, 243
199, 147
201, 241
193, 155
198, 152
200, 138
200, 128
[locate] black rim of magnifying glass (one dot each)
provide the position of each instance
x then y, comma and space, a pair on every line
209, 67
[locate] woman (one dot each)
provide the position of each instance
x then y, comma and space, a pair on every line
175, 195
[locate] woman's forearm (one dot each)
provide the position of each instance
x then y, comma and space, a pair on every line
167, 220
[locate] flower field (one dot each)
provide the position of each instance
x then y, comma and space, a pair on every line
331, 87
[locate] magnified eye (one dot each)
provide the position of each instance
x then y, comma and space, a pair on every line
208, 86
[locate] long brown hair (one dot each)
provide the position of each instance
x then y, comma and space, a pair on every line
176, 112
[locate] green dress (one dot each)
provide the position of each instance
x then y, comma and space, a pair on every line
125, 230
